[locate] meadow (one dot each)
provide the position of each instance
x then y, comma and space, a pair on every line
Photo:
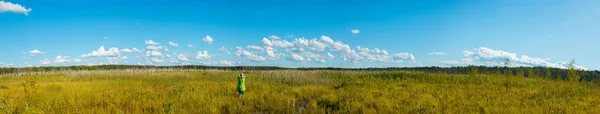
293, 91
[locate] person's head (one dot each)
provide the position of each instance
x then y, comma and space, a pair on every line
242, 74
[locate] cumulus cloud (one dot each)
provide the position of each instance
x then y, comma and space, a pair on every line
156, 48
270, 51
36, 52
277, 43
436, 53
355, 31
202, 55
46, 61
126, 50
208, 39
248, 55
61, 59
297, 57
156, 60
224, 50
182, 57
344, 50
116, 60
374, 55
273, 37
331, 56
404, 56
150, 42
257, 48
136, 50
266, 42
313, 44
173, 44
101, 52
302, 49
228, 63
190, 46
15, 8
487, 55
154, 54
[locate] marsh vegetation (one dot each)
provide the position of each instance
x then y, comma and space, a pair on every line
292, 91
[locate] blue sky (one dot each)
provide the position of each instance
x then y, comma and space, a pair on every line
309, 33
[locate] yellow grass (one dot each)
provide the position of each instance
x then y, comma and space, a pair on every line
292, 92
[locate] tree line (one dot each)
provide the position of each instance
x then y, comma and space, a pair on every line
533, 72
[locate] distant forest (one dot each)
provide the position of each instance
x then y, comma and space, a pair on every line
533, 72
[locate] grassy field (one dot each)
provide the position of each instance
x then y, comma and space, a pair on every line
293, 92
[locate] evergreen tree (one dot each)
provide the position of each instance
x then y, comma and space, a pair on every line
573, 76
548, 73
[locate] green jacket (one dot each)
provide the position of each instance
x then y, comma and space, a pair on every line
241, 83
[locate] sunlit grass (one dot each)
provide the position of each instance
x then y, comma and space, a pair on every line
294, 91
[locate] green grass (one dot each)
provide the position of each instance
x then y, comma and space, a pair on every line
291, 92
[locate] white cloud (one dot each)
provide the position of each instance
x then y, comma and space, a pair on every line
101, 52
374, 55
156, 60
487, 55
266, 42
273, 37
45, 61
326, 39
257, 48
248, 55
317, 45
224, 50
173, 44
15, 8
182, 57
436, 53
208, 39
276, 43
35, 51
61, 59
297, 57
202, 55
313, 44
150, 42
136, 50
404, 56
126, 50
331, 56
153, 54
190, 46
270, 51
228, 63
156, 48
281, 44
304, 48
355, 31
116, 60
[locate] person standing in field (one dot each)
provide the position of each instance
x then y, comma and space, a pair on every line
241, 84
